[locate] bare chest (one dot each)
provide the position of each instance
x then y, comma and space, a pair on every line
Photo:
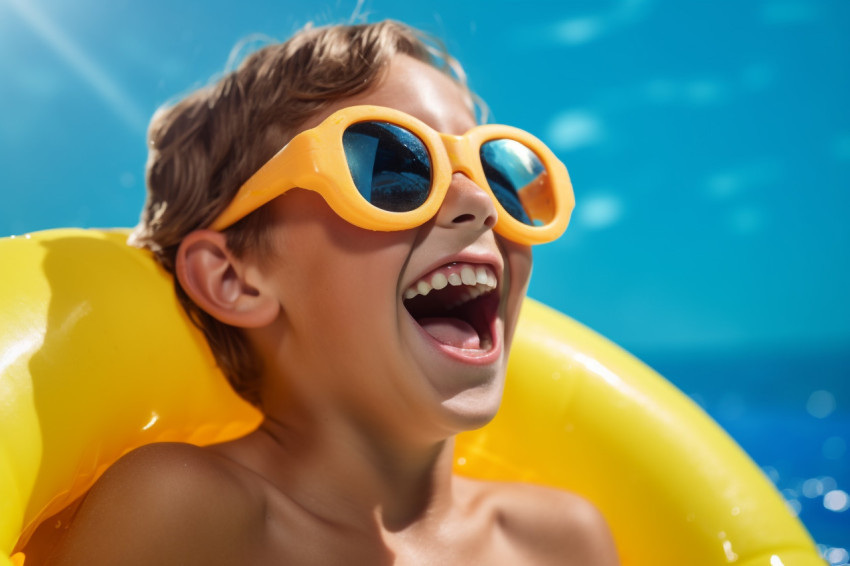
292, 538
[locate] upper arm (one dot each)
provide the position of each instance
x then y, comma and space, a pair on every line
162, 504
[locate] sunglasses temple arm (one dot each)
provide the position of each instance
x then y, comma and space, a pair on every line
281, 173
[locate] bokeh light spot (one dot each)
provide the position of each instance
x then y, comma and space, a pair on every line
821, 404
836, 500
772, 473
837, 556
600, 211
575, 129
812, 488
578, 30
794, 506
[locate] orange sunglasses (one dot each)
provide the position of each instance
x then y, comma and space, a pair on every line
382, 169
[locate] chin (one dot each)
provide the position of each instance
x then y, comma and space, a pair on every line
475, 407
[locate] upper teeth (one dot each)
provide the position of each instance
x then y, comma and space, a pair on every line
480, 279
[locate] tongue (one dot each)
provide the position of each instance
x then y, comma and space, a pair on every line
451, 332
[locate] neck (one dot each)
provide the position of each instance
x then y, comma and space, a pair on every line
352, 475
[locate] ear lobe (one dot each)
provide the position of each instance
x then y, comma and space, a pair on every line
224, 286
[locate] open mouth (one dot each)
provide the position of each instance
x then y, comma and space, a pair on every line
456, 305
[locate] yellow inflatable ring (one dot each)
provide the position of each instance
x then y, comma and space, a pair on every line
96, 358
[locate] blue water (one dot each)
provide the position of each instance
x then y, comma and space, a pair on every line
708, 142
765, 402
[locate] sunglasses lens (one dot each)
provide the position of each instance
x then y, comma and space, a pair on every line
390, 166
515, 174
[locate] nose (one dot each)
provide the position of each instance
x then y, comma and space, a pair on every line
467, 206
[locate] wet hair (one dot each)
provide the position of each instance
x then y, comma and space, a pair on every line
202, 148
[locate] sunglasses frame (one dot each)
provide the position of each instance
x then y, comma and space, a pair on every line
315, 160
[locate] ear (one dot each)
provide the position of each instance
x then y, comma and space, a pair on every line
226, 287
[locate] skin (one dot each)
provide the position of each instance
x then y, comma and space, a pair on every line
352, 464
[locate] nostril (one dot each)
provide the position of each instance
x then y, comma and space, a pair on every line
467, 205
464, 218
489, 221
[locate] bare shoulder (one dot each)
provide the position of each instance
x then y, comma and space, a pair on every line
550, 525
165, 504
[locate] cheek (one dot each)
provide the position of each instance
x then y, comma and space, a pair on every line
326, 256
519, 264
341, 276
519, 261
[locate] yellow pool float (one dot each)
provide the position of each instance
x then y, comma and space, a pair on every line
96, 358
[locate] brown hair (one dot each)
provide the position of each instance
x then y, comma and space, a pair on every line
205, 146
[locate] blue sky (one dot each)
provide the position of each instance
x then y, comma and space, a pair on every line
709, 142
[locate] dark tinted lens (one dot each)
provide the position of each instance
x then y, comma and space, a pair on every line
511, 167
390, 166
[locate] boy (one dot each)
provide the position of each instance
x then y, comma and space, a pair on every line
361, 288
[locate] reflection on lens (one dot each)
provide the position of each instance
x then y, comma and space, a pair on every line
390, 166
513, 170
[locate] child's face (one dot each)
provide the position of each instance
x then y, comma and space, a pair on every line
346, 334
